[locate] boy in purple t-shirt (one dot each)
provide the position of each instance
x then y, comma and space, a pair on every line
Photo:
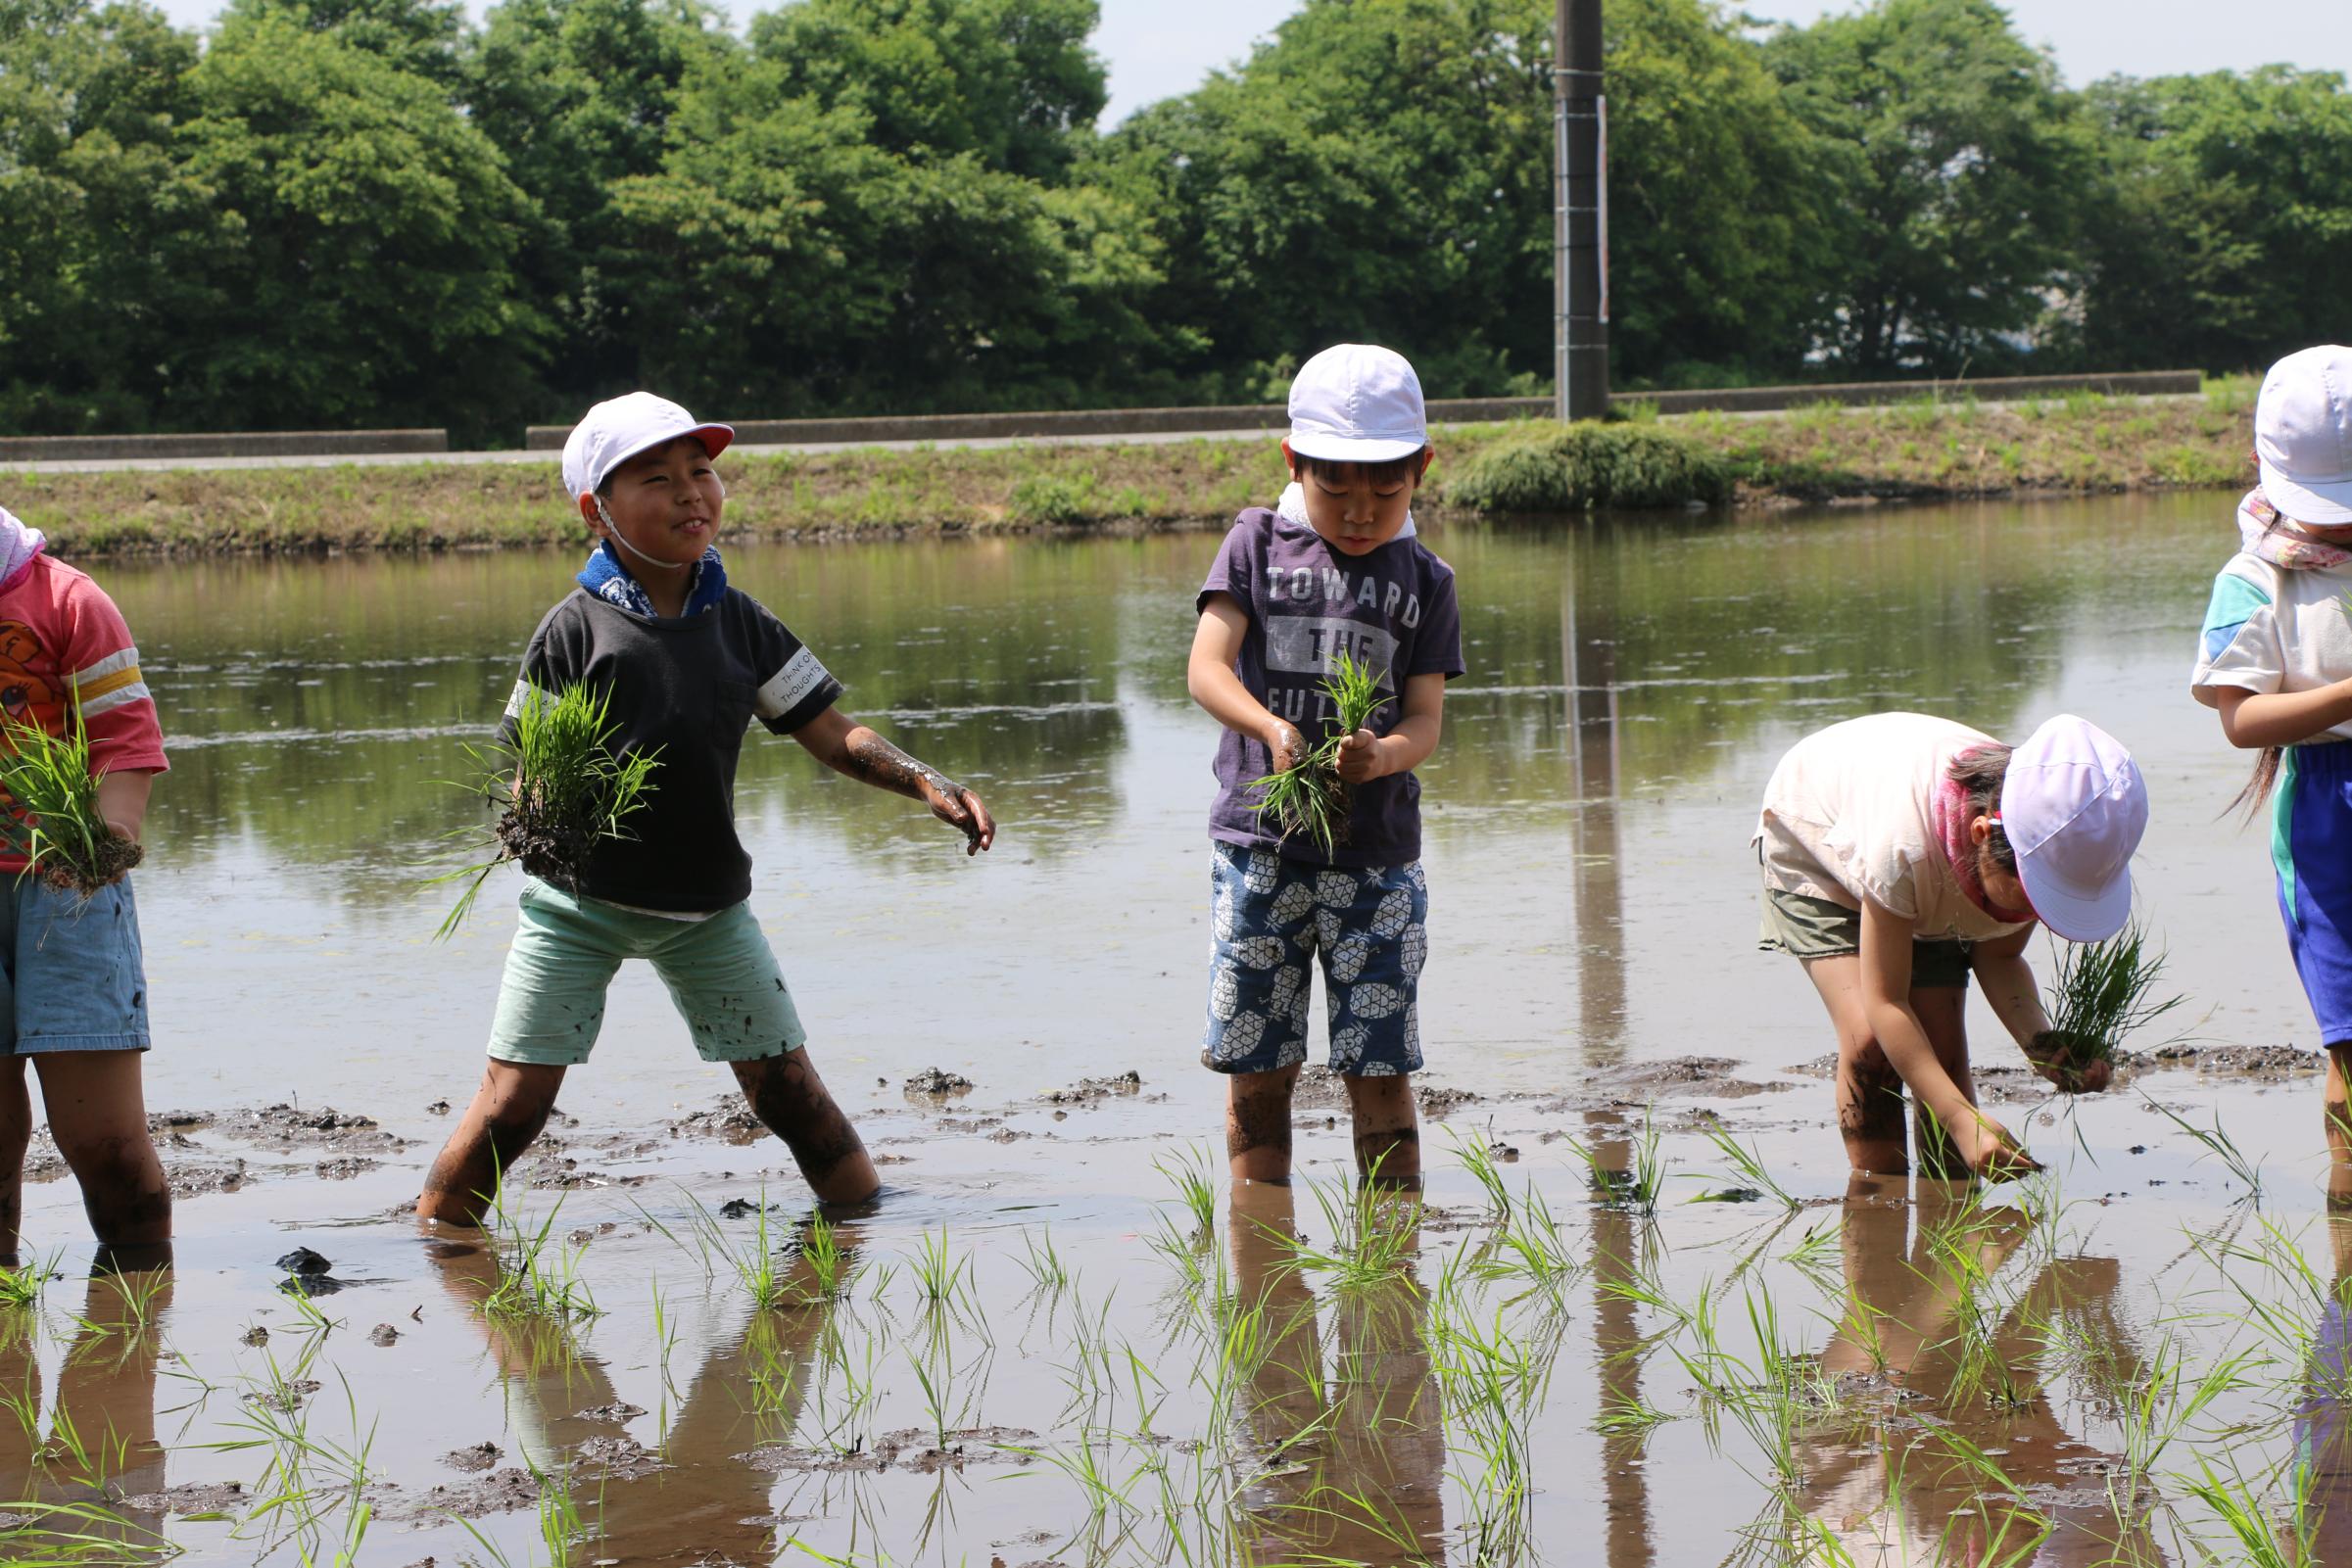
1334, 569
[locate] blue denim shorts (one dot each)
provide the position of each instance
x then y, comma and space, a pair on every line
76, 976
1271, 920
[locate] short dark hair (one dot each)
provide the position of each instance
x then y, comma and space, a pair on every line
1981, 770
1386, 472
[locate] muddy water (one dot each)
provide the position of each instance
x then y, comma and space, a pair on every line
2043, 1373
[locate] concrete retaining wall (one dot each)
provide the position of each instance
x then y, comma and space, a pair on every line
247, 444
1455, 411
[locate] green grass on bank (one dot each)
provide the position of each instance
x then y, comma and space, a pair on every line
1926, 450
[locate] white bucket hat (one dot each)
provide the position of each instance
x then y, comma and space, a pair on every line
616, 430
2303, 435
2074, 806
1354, 403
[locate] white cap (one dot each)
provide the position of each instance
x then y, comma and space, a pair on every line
2303, 435
619, 428
2074, 806
1354, 403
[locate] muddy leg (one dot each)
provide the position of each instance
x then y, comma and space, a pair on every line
793, 1103
2336, 1123
16, 1136
1258, 1124
1388, 1135
1869, 1091
98, 1114
506, 1114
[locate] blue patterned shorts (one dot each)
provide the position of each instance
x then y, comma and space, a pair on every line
1271, 920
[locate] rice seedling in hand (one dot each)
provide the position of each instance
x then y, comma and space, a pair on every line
1310, 796
558, 787
55, 824
2099, 993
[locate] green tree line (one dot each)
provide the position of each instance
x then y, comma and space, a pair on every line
346, 213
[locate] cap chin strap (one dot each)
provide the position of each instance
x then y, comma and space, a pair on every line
612, 532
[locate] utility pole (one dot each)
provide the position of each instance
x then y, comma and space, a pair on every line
1580, 212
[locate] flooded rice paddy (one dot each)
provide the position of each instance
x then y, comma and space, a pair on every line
1058, 1337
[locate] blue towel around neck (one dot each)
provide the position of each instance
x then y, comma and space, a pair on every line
609, 578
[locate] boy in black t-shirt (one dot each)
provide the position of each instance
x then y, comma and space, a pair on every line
687, 662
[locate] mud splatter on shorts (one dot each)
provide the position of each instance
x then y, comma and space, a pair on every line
719, 969
1271, 920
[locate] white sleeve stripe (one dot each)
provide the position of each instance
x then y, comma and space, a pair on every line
136, 691
791, 686
522, 693
105, 667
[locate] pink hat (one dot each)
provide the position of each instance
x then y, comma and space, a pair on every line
2074, 806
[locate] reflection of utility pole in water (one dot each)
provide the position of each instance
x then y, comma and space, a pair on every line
1589, 665
1589, 662
1616, 1337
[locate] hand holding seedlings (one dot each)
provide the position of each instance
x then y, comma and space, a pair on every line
1359, 757
1314, 792
559, 788
2099, 993
1993, 1153
2067, 1062
68, 823
1284, 745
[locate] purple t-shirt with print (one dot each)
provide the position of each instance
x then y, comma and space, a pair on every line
1392, 608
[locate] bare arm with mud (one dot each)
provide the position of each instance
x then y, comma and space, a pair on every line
849, 749
1886, 998
1209, 676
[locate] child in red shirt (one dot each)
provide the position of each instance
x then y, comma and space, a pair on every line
72, 981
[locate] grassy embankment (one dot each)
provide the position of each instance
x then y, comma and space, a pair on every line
1945, 449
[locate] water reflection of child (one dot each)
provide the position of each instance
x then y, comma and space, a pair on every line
1900, 853
1906, 1266
1332, 570
1348, 1471
73, 997
101, 1439
2274, 658
687, 662
709, 1498
2322, 1429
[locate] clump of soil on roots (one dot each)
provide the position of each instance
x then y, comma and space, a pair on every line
553, 850
112, 857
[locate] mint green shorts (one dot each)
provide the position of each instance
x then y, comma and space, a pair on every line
721, 974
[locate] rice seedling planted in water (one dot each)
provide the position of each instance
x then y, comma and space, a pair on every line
57, 826
1310, 796
558, 787
2099, 993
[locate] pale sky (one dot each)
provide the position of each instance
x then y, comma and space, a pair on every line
1158, 48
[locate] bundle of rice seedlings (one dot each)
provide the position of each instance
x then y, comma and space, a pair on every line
1310, 796
2100, 992
558, 788
55, 824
